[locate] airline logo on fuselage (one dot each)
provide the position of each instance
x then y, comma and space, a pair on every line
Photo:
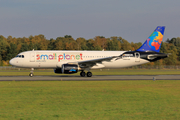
59, 57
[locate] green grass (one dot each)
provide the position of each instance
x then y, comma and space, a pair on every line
90, 100
97, 72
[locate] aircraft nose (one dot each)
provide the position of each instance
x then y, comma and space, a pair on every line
11, 61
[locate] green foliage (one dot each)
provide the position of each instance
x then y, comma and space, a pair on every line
24, 47
51, 44
3, 47
12, 51
126, 46
90, 44
113, 44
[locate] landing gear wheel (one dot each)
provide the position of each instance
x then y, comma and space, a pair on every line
82, 74
31, 75
89, 74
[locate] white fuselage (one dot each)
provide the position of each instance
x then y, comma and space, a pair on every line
55, 59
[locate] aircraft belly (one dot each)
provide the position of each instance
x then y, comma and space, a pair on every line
40, 65
123, 63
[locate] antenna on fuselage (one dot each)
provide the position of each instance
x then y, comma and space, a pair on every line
33, 50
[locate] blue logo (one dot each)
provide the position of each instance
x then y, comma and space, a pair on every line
72, 70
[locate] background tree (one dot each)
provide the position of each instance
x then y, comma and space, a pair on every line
125, 45
3, 47
11, 51
51, 44
81, 44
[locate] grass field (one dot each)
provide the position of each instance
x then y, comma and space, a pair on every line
97, 72
90, 100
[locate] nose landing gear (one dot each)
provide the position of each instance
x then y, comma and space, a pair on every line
31, 74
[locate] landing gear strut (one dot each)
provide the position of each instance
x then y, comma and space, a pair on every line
31, 74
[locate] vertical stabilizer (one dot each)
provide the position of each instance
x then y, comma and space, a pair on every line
153, 43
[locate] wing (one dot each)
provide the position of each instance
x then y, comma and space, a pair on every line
91, 63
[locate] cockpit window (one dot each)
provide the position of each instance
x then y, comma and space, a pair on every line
20, 56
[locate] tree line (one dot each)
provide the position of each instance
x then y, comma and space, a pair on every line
11, 46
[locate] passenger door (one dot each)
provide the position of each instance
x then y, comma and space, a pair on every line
32, 57
137, 57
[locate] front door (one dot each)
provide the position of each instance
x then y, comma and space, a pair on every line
32, 57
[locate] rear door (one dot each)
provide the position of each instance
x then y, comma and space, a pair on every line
137, 57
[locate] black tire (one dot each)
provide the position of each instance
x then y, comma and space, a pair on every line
89, 74
82, 74
31, 75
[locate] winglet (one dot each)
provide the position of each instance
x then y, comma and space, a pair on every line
153, 43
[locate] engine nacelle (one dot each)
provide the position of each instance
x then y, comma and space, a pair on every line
58, 70
67, 69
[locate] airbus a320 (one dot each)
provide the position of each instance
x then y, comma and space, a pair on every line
69, 62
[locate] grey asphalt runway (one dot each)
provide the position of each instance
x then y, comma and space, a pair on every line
93, 78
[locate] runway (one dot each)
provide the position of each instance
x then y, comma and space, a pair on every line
93, 78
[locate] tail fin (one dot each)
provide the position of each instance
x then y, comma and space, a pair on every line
153, 43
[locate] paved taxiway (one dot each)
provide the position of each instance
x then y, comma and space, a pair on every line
93, 78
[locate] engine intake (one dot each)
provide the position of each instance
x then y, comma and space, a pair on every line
67, 69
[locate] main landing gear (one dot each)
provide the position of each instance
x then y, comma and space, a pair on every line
83, 74
89, 74
31, 74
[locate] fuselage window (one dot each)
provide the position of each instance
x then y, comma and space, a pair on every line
22, 56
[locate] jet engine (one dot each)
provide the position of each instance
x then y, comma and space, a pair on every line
67, 69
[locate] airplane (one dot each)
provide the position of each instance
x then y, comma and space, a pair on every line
69, 62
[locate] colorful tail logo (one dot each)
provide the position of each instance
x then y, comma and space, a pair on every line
153, 43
